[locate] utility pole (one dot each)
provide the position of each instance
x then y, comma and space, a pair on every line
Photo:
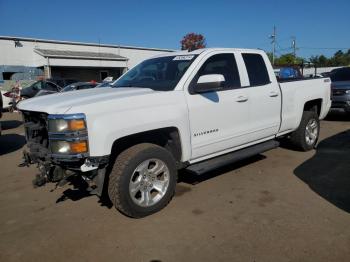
273, 42
294, 46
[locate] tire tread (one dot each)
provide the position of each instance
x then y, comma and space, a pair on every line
297, 138
115, 190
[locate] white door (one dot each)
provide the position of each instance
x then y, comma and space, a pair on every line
265, 97
219, 120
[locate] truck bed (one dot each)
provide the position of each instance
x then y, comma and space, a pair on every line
294, 95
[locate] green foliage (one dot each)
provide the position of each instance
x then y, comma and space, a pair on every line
288, 59
340, 58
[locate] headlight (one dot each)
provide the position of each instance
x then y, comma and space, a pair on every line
63, 125
66, 123
63, 136
68, 147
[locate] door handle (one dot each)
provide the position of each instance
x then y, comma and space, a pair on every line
273, 94
241, 99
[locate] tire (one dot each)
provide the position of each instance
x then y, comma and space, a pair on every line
300, 138
125, 179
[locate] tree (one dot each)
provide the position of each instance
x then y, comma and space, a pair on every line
339, 58
314, 60
323, 61
288, 59
192, 42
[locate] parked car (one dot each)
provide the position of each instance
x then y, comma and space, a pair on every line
62, 82
71, 87
79, 86
105, 84
325, 74
50, 85
194, 110
341, 88
6, 99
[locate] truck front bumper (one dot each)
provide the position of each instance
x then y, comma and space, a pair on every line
341, 102
57, 167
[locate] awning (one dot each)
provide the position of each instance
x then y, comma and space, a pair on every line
79, 55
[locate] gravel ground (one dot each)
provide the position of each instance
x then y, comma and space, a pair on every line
279, 206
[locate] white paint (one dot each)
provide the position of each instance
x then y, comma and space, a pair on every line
212, 78
236, 118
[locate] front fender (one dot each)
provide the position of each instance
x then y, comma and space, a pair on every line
105, 128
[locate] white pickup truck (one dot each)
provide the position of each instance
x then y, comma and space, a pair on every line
187, 110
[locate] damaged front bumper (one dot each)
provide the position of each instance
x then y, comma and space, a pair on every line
58, 164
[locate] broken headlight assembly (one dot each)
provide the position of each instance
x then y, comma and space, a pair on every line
68, 134
66, 123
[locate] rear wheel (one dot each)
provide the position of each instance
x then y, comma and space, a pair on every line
142, 180
306, 136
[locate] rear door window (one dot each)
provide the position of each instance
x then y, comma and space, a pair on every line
256, 69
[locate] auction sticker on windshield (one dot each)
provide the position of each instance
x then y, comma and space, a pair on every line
183, 57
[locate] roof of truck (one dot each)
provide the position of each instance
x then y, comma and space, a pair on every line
202, 50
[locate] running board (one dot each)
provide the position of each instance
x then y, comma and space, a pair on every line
214, 163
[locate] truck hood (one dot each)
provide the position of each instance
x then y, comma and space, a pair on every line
60, 103
341, 85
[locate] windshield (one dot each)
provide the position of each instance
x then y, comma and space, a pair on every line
37, 85
341, 74
162, 73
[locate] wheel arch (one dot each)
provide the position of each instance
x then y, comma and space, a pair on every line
314, 105
168, 137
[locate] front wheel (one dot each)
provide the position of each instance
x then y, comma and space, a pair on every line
306, 136
142, 180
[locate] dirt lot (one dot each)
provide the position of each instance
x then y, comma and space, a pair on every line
279, 206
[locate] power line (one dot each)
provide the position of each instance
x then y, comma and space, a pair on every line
282, 48
330, 48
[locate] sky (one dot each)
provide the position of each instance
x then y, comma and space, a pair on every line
320, 27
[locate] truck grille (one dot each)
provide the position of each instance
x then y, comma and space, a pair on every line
339, 104
339, 92
35, 124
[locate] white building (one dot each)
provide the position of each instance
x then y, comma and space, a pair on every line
69, 60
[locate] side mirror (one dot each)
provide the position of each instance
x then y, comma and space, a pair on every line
209, 83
